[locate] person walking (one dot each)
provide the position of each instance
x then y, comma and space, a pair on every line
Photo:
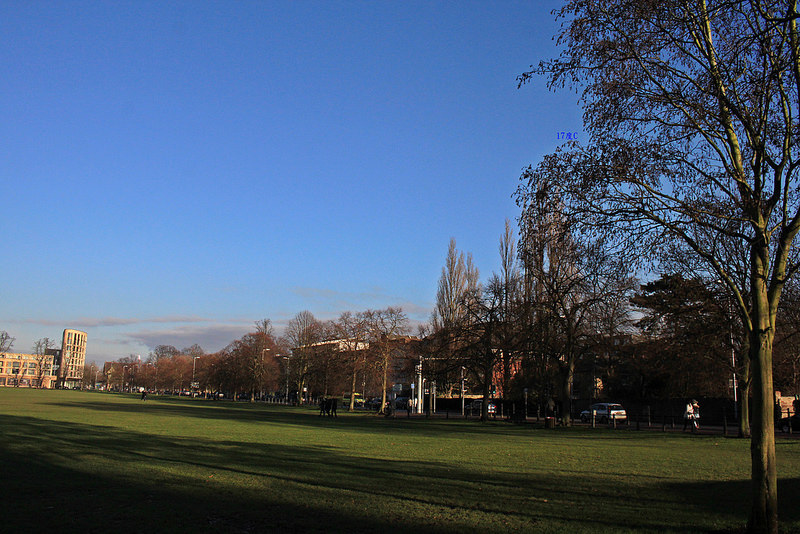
691, 416
688, 415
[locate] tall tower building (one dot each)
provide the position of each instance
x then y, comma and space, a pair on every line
73, 357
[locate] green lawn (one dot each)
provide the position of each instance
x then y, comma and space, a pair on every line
97, 462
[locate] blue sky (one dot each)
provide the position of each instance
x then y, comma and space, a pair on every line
174, 171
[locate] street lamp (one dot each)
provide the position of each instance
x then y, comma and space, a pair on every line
462, 390
286, 372
420, 400
194, 364
123, 377
733, 354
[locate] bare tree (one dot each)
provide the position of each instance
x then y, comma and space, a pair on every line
328, 365
40, 351
162, 359
578, 284
509, 284
385, 326
302, 332
458, 283
352, 330
475, 338
6, 341
691, 109
251, 368
262, 362
194, 350
459, 277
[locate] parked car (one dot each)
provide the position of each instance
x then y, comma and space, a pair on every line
794, 421
401, 403
604, 412
359, 402
372, 404
475, 407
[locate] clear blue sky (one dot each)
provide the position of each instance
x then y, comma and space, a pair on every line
174, 171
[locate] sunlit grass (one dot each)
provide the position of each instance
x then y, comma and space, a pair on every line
83, 461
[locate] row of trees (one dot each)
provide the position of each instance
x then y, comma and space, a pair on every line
564, 320
358, 352
165, 369
691, 111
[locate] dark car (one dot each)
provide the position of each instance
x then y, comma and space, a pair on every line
372, 404
401, 403
794, 421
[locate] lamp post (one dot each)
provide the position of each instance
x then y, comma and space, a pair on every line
420, 388
194, 368
733, 354
261, 372
124, 367
286, 372
462, 390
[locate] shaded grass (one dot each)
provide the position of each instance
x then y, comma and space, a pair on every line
82, 461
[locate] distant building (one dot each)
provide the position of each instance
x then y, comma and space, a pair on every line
55, 368
26, 370
72, 359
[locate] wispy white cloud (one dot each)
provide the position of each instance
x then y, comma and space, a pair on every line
113, 337
212, 337
413, 309
96, 322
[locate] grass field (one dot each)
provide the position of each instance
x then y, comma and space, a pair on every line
92, 462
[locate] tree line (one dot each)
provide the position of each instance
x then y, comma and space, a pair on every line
566, 320
359, 352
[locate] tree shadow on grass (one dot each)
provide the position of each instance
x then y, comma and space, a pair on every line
73, 477
259, 412
308, 416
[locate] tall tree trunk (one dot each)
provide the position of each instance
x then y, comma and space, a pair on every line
764, 513
565, 395
744, 400
384, 382
353, 393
